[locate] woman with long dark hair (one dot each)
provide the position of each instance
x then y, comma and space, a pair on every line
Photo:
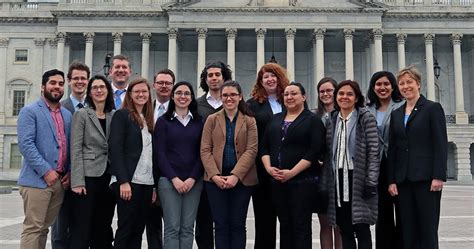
228, 151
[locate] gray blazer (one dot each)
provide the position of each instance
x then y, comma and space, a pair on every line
67, 103
89, 147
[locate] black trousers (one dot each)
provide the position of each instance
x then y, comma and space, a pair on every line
265, 216
93, 214
132, 216
154, 227
60, 230
419, 215
204, 226
291, 205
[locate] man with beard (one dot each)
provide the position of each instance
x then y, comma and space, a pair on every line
163, 84
43, 134
120, 72
212, 78
78, 79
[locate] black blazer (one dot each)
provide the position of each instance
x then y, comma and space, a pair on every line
125, 147
304, 140
419, 151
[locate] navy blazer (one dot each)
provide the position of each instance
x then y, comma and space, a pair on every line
419, 151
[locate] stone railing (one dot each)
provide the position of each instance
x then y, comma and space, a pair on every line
27, 9
116, 2
466, 3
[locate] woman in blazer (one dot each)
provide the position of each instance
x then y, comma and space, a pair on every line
228, 151
267, 100
130, 155
177, 139
352, 166
384, 97
93, 201
417, 159
292, 144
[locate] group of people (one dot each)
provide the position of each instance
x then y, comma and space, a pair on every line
196, 162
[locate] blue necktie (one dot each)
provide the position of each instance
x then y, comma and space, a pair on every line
118, 100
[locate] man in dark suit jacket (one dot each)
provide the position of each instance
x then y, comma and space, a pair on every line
212, 78
78, 78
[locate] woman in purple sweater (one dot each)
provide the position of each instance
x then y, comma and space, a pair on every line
177, 139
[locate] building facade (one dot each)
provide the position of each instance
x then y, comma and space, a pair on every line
345, 39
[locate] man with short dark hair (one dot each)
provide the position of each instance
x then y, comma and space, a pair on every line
120, 72
43, 137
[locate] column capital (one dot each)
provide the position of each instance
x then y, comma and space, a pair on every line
429, 37
173, 33
377, 34
146, 37
60, 37
348, 33
260, 33
202, 33
290, 33
89, 37
4, 42
117, 36
456, 38
39, 42
401, 38
231, 33
318, 34
53, 42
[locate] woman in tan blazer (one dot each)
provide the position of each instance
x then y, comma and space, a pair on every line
228, 151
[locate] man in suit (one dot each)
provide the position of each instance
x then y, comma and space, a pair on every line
212, 78
43, 137
120, 73
78, 78
163, 84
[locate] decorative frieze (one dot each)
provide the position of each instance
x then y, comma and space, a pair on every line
4, 42
39, 42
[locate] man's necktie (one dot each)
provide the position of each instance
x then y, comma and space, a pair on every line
161, 110
118, 100
80, 105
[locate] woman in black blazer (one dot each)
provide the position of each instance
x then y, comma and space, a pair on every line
292, 144
133, 174
417, 161
267, 100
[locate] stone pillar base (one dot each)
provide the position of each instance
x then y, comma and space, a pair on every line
462, 118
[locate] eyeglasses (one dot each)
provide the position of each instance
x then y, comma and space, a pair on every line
164, 83
327, 91
185, 94
231, 95
97, 88
144, 92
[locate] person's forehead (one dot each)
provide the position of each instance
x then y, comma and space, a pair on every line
214, 70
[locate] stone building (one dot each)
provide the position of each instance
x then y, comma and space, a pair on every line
345, 39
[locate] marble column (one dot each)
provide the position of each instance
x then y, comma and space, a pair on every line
368, 59
38, 66
461, 115
61, 40
173, 50
51, 60
463, 161
401, 39
318, 49
146, 37
201, 59
89, 37
260, 47
231, 35
117, 37
290, 52
349, 54
3, 76
430, 84
372, 53
378, 56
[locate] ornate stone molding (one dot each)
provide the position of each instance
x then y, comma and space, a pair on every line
173, 33
377, 34
4, 42
429, 38
260, 33
401, 38
117, 37
89, 37
104, 13
290, 33
53, 42
48, 20
456, 39
297, 9
348, 34
231, 33
39, 42
318, 34
61, 37
429, 15
146, 37
202, 33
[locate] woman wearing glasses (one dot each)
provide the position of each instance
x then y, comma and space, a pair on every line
177, 139
228, 151
131, 162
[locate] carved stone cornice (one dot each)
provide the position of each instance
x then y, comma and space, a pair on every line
173, 33
456, 39
48, 20
39, 42
290, 33
61, 37
377, 34
429, 15
89, 37
304, 9
401, 38
53, 42
117, 37
231, 33
4, 42
146, 37
348, 34
260, 33
105, 13
429, 38
318, 34
202, 33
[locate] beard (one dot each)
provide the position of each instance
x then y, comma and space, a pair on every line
47, 95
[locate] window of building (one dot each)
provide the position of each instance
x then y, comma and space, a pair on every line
21, 55
18, 101
15, 157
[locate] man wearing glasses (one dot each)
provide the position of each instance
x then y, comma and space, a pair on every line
163, 84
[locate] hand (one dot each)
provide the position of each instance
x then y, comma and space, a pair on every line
153, 196
436, 185
231, 181
392, 189
66, 181
220, 181
179, 185
284, 175
369, 192
189, 183
51, 177
80, 190
125, 191
273, 172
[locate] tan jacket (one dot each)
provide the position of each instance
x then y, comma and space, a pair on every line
213, 142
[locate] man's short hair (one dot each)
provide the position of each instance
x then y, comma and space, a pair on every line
165, 71
122, 58
77, 65
50, 73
